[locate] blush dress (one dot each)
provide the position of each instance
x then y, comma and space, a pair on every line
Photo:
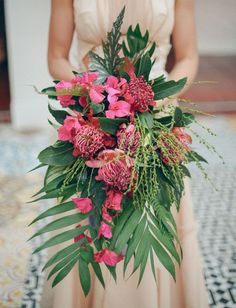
93, 19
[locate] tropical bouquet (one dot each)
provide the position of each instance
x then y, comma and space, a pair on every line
118, 166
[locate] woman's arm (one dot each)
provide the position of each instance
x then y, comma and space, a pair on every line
184, 42
60, 38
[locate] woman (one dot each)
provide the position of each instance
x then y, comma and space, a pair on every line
92, 20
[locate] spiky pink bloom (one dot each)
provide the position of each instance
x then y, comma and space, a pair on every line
117, 173
118, 109
182, 136
108, 257
65, 100
175, 152
128, 138
141, 94
69, 129
85, 205
88, 141
104, 230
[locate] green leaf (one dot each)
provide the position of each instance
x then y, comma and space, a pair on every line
146, 119
59, 115
108, 65
62, 223
97, 108
54, 184
185, 171
187, 119
64, 272
84, 275
178, 115
63, 253
57, 156
144, 67
168, 88
37, 167
52, 173
152, 264
194, 156
127, 231
134, 241
98, 272
144, 254
60, 238
59, 208
166, 242
163, 257
111, 125
73, 256
127, 212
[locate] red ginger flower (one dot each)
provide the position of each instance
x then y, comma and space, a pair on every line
140, 93
88, 141
128, 138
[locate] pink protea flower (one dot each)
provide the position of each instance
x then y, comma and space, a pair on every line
104, 230
65, 100
115, 88
182, 136
128, 138
118, 109
105, 157
117, 173
88, 141
113, 200
172, 151
140, 92
85, 205
69, 129
108, 257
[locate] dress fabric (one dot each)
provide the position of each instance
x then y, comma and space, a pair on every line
93, 19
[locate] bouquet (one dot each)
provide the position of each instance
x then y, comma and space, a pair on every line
118, 166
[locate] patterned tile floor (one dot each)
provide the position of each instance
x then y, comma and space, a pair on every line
21, 282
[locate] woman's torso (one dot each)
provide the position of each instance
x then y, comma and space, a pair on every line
94, 18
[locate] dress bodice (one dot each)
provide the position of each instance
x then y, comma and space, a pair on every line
94, 18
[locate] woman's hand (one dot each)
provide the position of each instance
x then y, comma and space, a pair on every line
60, 38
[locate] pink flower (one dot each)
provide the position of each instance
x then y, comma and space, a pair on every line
104, 230
104, 157
115, 88
95, 93
88, 141
83, 204
108, 257
118, 109
105, 215
65, 100
69, 129
85, 80
128, 138
81, 236
83, 101
113, 200
182, 136
117, 173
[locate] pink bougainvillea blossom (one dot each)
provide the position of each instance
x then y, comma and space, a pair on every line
69, 129
105, 215
115, 88
118, 109
65, 100
95, 93
104, 230
108, 257
113, 200
85, 205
